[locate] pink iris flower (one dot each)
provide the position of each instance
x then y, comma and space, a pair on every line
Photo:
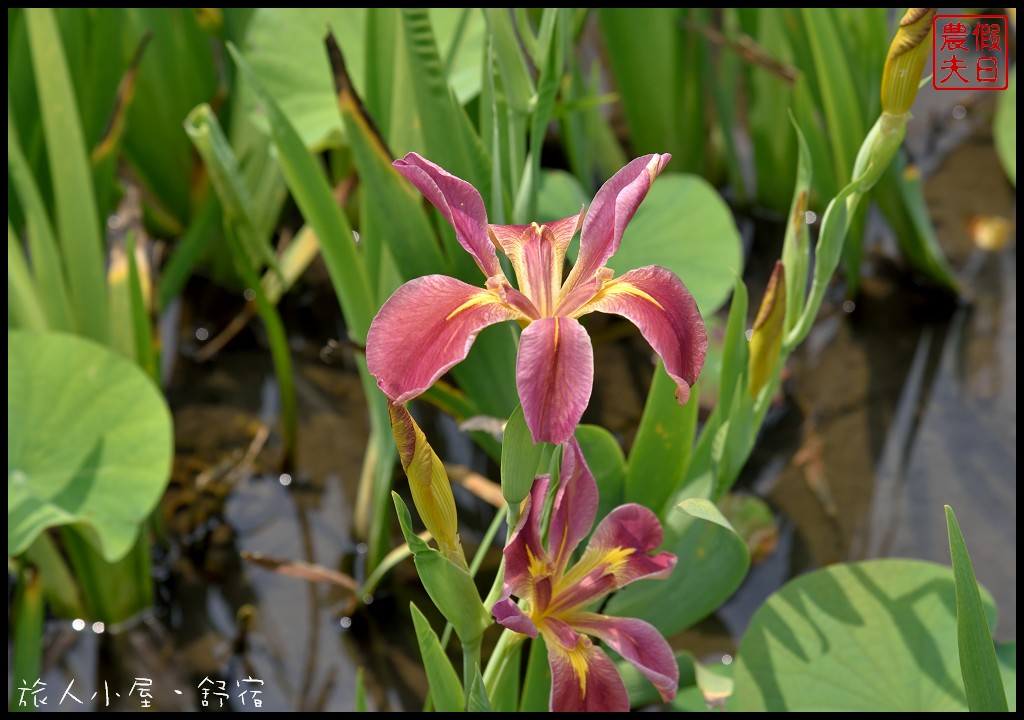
430, 323
557, 597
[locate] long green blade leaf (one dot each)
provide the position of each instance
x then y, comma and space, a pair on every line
24, 309
978, 664
661, 451
312, 192
42, 243
520, 458
29, 612
445, 687
78, 222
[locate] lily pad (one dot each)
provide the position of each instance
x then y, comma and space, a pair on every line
89, 441
878, 635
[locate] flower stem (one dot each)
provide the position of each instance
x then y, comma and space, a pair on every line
507, 643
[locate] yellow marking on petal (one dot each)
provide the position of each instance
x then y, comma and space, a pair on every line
618, 288
578, 660
616, 559
479, 299
537, 566
576, 657
613, 560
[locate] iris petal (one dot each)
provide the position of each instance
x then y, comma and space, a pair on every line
640, 643
623, 540
459, 202
555, 376
425, 328
508, 614
575, 507
612, 209
583, 679
524, 553
658, 303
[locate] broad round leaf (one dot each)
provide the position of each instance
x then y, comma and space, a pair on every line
878, 635
89, 441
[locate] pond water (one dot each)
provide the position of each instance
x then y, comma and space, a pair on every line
893, 407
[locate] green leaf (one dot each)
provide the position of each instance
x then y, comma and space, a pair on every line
515, 78
769, 96
461, 36
838, 91
285, 49
661, 450
684, 225
735, 348
520, 458
607, 463
1005, 129
445, 687
378, 469
647, 50
834, 226
476, 700
560, 196
78, 222
1007, 653
177, 72
642, 692
591, 144
28, 614
978, 664
24, 305
378, 89
843, 110
551, 64
449, 586
312, 192
871, 636
204, 130
449, 139
796, 247
536, 695
47, 270
361, 689
249, 250
504, 690
707, 548
89, 441
391, 210
62, 593
186, 253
